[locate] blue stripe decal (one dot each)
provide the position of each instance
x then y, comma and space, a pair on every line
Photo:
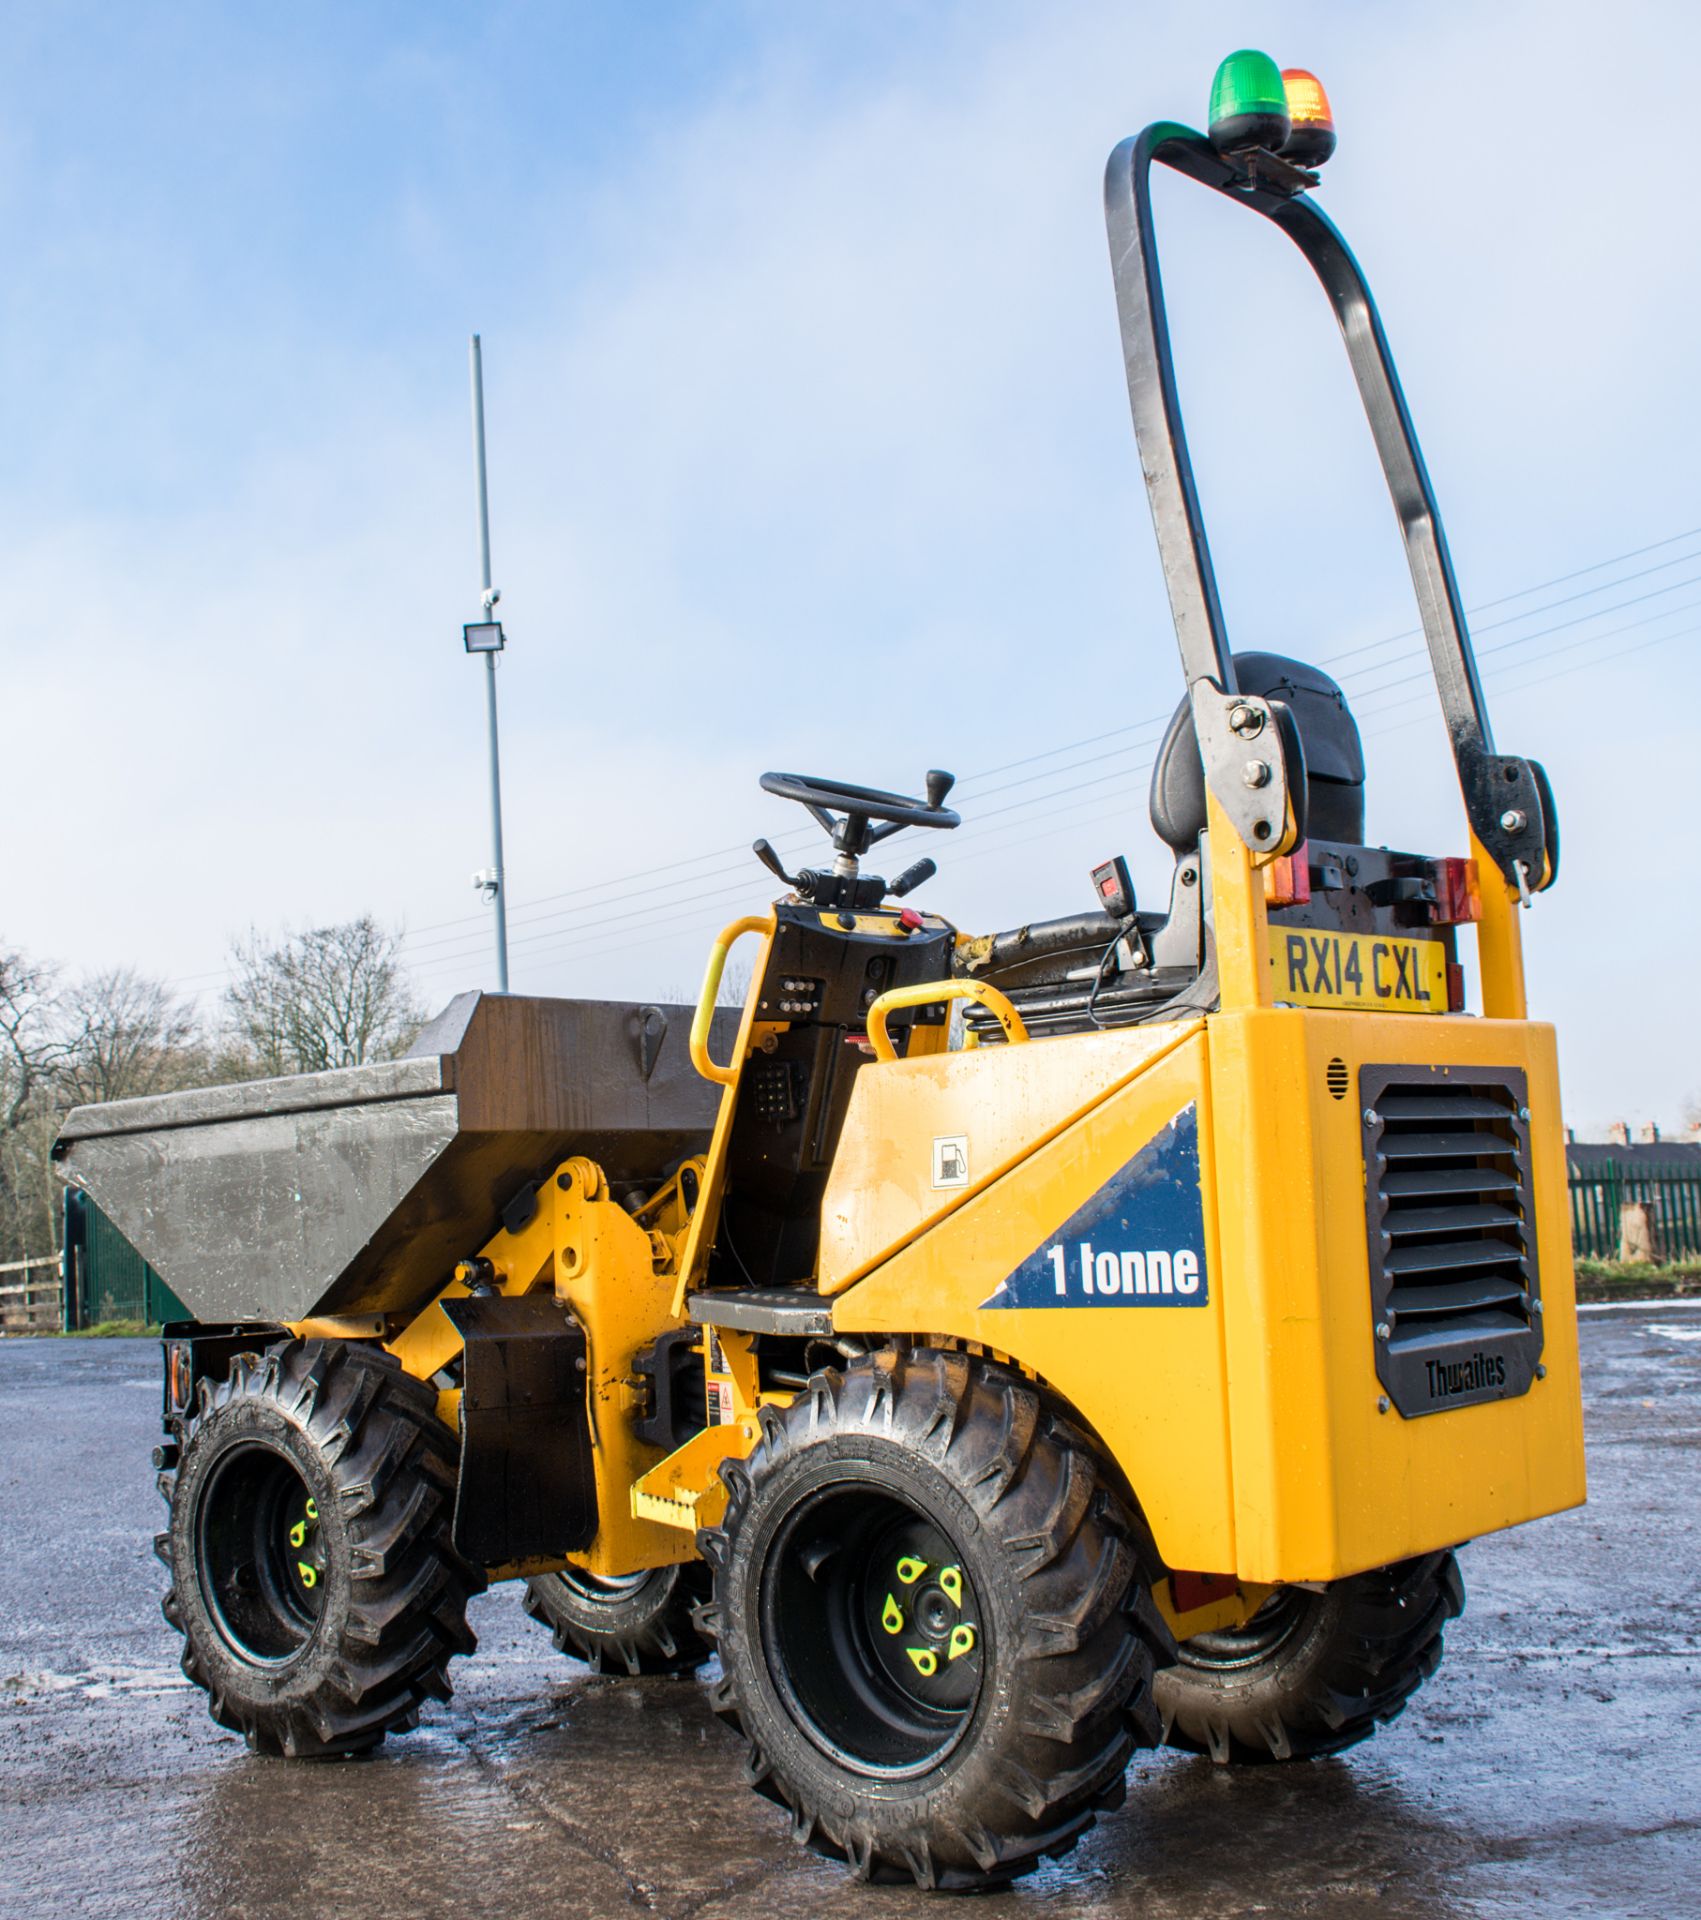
1138, 1242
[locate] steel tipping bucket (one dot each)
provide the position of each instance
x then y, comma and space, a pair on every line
357, 1190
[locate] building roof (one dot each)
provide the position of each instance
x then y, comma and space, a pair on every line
1640, 1157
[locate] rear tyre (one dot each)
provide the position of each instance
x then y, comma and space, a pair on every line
641, 1624
1312, 1673
314, 1581
933, 1633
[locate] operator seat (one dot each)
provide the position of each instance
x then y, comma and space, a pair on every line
1334, 759
1049, 967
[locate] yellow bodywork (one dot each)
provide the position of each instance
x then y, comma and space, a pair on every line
1249, 1429
616, 1273
1253, 1430
1251, 1426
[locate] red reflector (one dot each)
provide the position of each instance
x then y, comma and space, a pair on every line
1287, 879
1457, 896
1191, 1590
1455, 987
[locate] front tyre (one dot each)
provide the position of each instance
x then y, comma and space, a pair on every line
314, 1581
1312, 1673
640, 1624
933, 1632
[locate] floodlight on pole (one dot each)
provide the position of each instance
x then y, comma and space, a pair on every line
485, 636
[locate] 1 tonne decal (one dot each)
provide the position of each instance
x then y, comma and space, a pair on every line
1138, 1242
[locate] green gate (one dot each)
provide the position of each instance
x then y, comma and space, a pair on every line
1599, 1193
105, 1277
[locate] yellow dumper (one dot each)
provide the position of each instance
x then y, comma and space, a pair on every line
1005, 1351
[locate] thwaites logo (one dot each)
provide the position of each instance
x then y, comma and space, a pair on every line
1138, 1242
1449, 1379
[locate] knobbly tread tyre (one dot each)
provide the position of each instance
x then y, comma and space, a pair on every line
1066, 1694
647, 1631
1364, 1647
365, 1438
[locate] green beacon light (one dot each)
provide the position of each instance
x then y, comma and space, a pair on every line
1249, 104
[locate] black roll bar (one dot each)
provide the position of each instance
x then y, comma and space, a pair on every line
1504, 794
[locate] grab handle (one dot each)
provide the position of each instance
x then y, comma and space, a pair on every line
929, 990
703, 1018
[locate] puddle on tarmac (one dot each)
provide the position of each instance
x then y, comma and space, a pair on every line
94, 1683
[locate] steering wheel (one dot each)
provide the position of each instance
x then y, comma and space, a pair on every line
862, 806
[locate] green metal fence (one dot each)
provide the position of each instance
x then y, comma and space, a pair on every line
105, 1277
1598, 1194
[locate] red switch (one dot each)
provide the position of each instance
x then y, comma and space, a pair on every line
909, 919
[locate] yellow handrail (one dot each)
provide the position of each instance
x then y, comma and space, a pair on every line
703, 1018
919, 996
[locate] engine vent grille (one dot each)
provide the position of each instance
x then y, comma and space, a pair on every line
1454, 1290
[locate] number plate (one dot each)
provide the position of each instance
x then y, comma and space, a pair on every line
1376, 973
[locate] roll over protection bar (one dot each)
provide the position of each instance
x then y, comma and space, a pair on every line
1507, 798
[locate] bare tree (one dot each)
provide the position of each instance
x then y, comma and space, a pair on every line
31, 1047
329, 997
30, 1044
104, 1037
124, 1036
333, 996
734, 988
733, 991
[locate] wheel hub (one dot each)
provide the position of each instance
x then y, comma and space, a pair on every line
925, 1631
306, 1553
875, 1631
260, 1554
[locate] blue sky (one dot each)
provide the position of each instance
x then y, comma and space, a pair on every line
809, 449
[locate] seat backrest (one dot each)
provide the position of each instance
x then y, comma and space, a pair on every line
1334, 759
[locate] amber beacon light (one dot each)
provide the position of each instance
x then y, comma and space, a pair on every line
1312, 138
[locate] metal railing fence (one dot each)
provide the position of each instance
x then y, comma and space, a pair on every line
1600, 1194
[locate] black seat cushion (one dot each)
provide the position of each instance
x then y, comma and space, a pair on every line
1334, 759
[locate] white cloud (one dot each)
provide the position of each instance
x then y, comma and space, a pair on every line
809, 448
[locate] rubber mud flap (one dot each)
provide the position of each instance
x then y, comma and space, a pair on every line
526, 1483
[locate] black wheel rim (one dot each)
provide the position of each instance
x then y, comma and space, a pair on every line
1275, 1623
873, 1631
260, 1554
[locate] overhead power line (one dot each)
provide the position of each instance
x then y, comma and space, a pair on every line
557, 938
740, 848
554, 924
972, 842
1541, 586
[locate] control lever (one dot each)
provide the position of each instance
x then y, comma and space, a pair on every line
939, 783
771, 861
912, 877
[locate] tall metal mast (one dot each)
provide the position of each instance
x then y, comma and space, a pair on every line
485, 636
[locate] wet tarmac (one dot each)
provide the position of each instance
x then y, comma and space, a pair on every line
1553, 1765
